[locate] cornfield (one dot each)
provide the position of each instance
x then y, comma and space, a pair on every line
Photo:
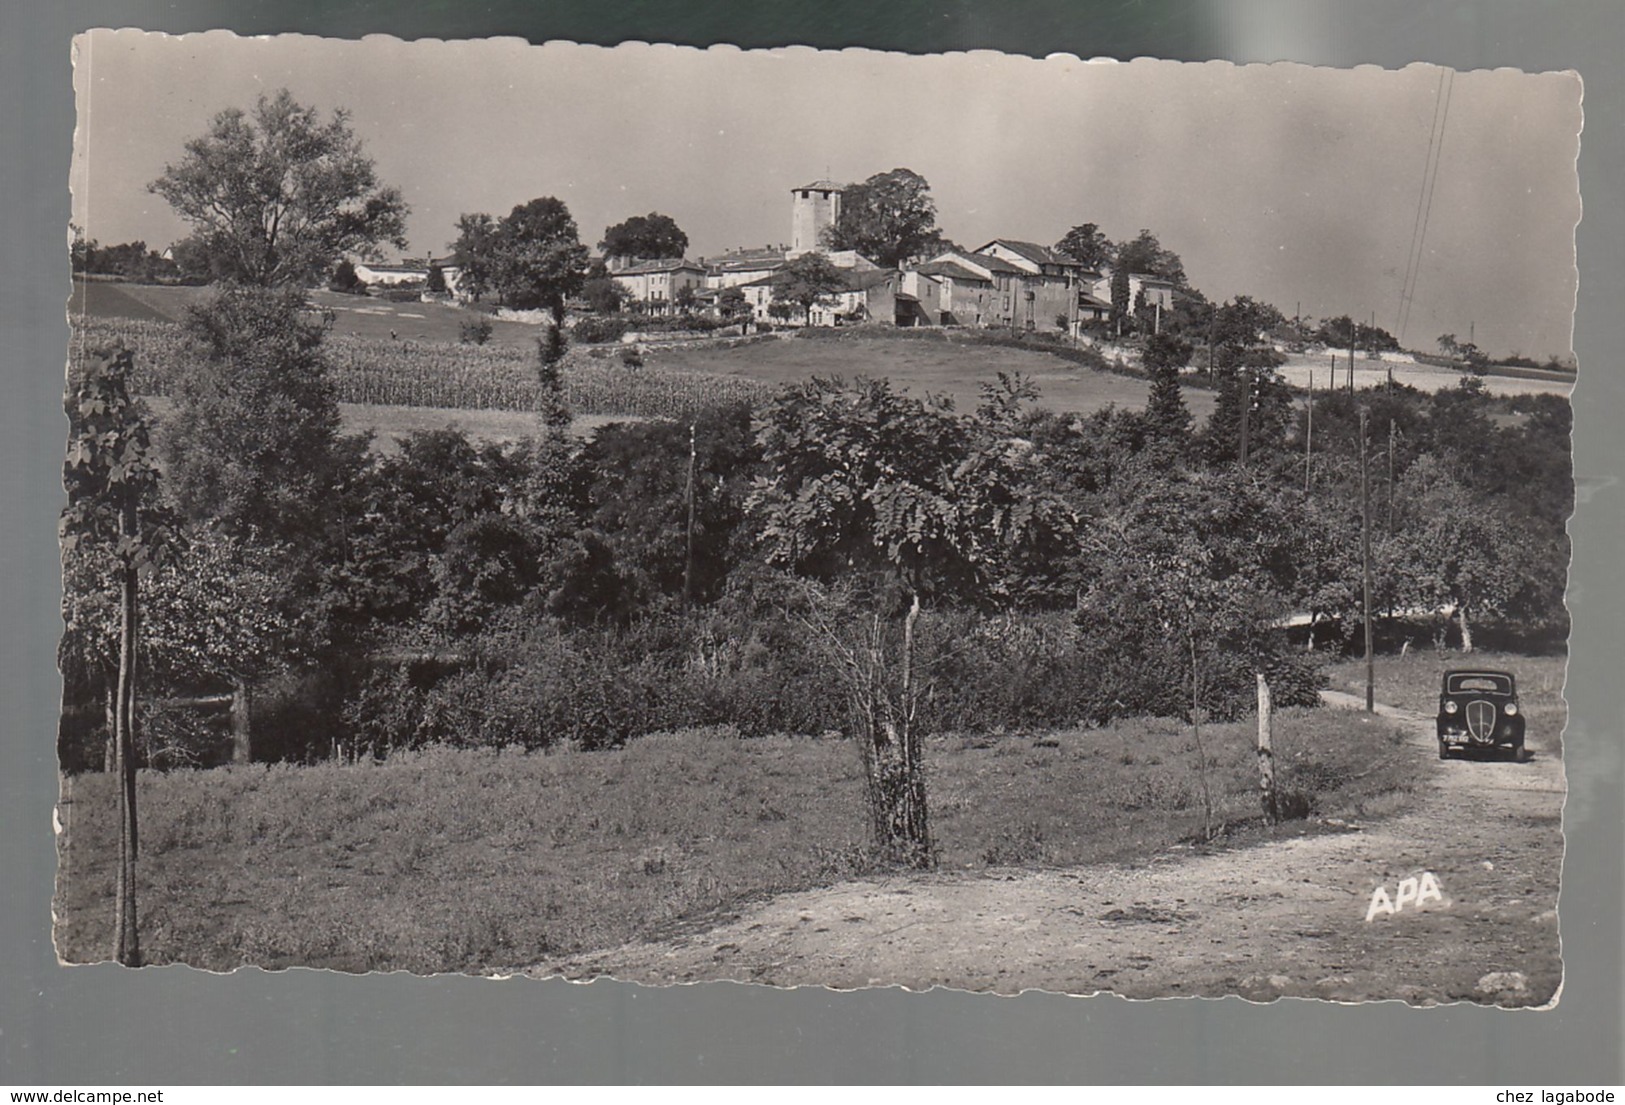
443, 374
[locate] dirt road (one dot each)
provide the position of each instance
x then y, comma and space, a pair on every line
1282, 918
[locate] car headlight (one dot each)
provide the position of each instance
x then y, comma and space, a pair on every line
1512, 709
1449, 707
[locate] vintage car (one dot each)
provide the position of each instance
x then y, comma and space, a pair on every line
1478, 711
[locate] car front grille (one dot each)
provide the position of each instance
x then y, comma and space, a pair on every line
1481, 719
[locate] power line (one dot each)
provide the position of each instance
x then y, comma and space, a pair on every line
1427, 210
1421, 196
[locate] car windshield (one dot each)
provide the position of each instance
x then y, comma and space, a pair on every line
1467, 682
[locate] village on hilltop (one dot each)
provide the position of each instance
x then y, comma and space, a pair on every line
1002, 283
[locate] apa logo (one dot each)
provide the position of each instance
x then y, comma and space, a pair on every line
1413, 892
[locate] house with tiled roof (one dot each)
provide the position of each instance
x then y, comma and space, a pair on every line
871, 293
1004, 301
965, 293
657, 284
1034, 258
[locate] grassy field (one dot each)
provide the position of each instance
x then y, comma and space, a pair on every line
358, 316
936, 367
485, 860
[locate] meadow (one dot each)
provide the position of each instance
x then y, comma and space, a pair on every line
485, 860
948, 367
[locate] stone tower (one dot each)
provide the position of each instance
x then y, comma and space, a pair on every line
813, 209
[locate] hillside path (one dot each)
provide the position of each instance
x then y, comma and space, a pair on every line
1286, 917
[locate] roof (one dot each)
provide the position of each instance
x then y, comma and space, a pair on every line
998, 264
951, 269
1153, 278
821, 186
859, 280
1032, 251
1087, 300
669, 264
747, 260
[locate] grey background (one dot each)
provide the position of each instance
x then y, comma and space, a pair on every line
97, 1025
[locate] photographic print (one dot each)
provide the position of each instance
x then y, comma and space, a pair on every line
816, 518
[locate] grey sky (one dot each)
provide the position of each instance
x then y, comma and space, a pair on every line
1289, 183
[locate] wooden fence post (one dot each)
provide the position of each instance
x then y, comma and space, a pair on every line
1266, 755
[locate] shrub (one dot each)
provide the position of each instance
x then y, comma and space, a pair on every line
600, 329
475, 331
344, 279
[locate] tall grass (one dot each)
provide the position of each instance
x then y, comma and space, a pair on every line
486, 859
445, 374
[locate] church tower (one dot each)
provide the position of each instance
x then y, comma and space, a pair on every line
814, 208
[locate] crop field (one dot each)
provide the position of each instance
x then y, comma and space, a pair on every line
450, 375
487, 860
956, 369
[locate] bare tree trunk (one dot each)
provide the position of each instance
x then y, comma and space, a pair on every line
1266, 753
1466, 631
1201, 753
242, 746
126, 942
892, 758
110, 748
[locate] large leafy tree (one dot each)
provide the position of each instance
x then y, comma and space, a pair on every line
255, 457
1145, 254
646, 237
277, 196
808, 281
533, 257
1454, 551
474, 252
114, 524
1189, 574
863, 483
888, 218
665, 507
254, 443
1088, 245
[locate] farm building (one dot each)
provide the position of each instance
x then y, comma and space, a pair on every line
407, 272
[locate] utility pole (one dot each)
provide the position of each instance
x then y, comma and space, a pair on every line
688, 560
1391, 433
1351, 357
1212, 316
1246, 409
1309, 433
1365, 568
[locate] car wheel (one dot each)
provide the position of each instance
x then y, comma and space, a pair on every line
1444, 751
